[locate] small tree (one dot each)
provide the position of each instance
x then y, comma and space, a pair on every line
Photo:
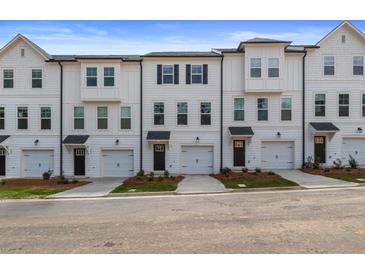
166, 174
352, 162
337, 164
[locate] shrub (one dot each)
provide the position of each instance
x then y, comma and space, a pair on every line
151, 176
271, 173
337, 164
244, 169
46, 175
140, 173
317, 164
309, 162
225, 170
166, 174
257, 170
352, 162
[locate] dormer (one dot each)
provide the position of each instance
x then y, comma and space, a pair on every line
264, 64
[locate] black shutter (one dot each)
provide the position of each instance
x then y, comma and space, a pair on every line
205, 74
188, 74
176, 74
159, 74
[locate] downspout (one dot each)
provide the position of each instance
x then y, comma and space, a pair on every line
303, 109
141, 118
221, 110
61, 117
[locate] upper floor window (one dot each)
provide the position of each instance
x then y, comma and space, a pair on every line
273, 67
46, 115
363, 105
343, 105
109, 77
2, 117
125, 117
262, 109
36, 78
91, 77
358, 65
182, 113
239, 111
102, 117
159, 113
8, 78
197, 74
22, 117
255, 70
286, 109
79, 118
168, 74
320, 105
329, 65
205, 113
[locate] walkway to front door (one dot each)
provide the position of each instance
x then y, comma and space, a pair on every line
307, 180
200, 184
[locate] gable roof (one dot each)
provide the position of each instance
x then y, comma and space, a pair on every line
183, 54
38, 49
69, 58
343, 23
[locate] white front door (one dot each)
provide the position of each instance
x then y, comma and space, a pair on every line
36, 162
118, 163
354, 147
277, 155
197, 159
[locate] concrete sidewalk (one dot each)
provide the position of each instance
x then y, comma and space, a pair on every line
99, 187
200, 184
307, 180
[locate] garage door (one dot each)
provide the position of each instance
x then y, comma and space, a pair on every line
277, 155
197, 159
118, 163
36, 162
355, 148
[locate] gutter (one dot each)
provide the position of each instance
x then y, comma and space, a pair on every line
61, 117
141, 118
303, 109
221, 110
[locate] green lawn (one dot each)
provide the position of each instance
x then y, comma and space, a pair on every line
26, 192
144, 185
347, 177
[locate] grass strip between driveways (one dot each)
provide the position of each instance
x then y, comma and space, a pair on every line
26, 192
145, 184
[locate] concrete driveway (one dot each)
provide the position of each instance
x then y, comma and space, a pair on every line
307, 180
200, 184
99, 187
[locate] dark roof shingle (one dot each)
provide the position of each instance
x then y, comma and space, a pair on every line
241, 131
76, 139
183, 54
3, 138
324, 127
158, 135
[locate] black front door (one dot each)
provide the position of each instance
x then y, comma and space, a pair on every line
320, 149
159, 157
79, 161
239, 153
2, 162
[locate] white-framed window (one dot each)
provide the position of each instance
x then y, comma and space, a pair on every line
329, 65
79, 117
167, 74
102, 117
255, 67
363, 104
46, 117
205, 113
91, 76
320, 105
196, 74
125, 117
262, 109
8, 78
22, 114
286, 109
358, 65
159, 113
239, 109
343, 105
182, 113
273, 68
109, 77
36, 78
2, 118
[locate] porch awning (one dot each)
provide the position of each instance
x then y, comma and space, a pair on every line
158, 135
3, 138
324, 127
241, 131
75, 139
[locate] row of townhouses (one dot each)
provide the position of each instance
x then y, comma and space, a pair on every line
267, 104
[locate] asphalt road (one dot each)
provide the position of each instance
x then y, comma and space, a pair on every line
308, 221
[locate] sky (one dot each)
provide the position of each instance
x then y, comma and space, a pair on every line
140, 37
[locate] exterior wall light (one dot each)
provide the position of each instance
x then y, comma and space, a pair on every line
36, 142
359, 129
197, 140
117, 142
278, 134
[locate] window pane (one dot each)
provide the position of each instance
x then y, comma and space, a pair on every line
286, 115
22, 112
320, 99
36, 83
263, 115
102, 112
363, 99
2, 112
286, 103
102, 123
109, 81
343, 99
358, 70
329, 60
125, 123
239, 115
78, 111
329, 70
125, 112
273, 62
91, 81
36, 73
182, 119
262, 103
79, 123
358, 61
91, 72
255, 62
255, 72
46, 124
109, 72
158, 108
158, 119
8, 73
363, 111
168, 69
196, 69
8, 83
182, 107
196, 79
205, 119
320, 111
273, 72
343, 111
45, 112
205, 108
2, 124
168, 79
239, 103
22, 123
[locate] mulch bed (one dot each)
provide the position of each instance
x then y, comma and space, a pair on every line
146, 180
52, 183
335, 171
231, 176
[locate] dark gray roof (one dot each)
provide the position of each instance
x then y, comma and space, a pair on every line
241, 131
183, 54
324, 127
228, 50
158, 135
76, 139
259, 40
3, 138
100, 57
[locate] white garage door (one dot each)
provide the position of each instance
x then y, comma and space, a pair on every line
277, 155
118, 163
36, 162
197, 159
355, 148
